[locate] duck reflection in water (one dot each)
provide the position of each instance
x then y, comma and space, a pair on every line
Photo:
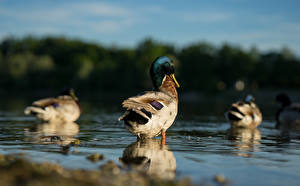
151, 156
246, 140
53, 133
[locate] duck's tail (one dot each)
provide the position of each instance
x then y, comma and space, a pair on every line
137, 109
33, 110
40, 113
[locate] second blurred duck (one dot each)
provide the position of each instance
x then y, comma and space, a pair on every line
244, 113
64, 108
288, 116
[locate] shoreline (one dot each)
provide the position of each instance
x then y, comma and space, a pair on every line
16, 169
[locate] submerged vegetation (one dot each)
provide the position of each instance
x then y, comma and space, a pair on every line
56, 62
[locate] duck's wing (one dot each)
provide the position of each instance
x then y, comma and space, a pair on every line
146, 104
244, 108
45, 102
61, 100
255, 109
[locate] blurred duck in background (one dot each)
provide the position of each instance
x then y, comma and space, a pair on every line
64, 108
288, 116
244, 113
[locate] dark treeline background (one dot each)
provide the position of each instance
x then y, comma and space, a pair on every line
56, 62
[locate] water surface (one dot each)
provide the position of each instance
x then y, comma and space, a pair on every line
197, 146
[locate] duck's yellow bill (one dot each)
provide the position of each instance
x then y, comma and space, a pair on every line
174, 79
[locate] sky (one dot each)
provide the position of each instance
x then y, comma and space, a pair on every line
266, 24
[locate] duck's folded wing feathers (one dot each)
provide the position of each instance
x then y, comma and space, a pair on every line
61, 100
45, 102
146, 104
151, 101
244, 108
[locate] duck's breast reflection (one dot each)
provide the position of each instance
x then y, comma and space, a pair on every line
151, 156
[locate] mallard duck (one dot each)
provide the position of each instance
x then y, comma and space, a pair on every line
244, 113
152, 112
288, 116
64, 108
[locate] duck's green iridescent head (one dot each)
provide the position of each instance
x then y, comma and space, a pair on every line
161, 67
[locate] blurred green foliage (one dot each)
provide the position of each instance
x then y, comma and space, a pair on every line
56, 62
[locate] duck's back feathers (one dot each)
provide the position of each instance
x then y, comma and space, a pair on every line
50, 101
143, 111
45, 102
149, 97
147, 104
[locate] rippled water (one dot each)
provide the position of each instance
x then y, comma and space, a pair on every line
196, 147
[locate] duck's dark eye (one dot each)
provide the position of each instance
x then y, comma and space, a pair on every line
168, 69
172, 70
165, 69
